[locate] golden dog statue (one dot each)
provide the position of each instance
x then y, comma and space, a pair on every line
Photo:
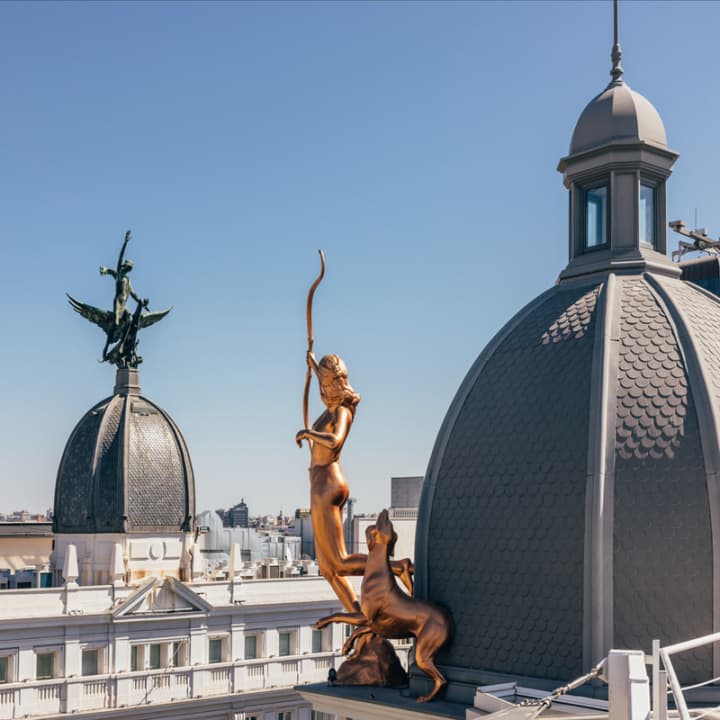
388, 612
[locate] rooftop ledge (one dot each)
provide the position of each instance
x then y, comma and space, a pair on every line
376, 703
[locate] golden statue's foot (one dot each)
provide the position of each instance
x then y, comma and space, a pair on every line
358, 641
347, 646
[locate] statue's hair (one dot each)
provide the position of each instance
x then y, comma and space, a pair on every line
340, 387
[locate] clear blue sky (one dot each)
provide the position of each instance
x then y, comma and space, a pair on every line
415, 142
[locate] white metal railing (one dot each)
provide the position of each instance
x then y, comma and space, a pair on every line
664, 674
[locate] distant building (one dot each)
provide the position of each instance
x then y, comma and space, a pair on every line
255, 545
405, 500
25, 549
301, 526
703, 271
405, 492
237, 516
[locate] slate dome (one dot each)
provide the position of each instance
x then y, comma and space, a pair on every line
617, 113
587, 427
125, 468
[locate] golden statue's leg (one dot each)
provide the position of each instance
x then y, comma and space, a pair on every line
362, 630
404, 569
343, 589
353, 618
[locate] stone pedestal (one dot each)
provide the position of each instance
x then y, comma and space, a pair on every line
374, 662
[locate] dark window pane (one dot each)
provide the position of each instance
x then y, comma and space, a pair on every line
135, 658
317, 641
596, 217
4, 669
45, 665
647, 215
284, 643
155, 656
250, 647
215, 650
90, 662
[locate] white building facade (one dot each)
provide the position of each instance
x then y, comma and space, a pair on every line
166, 649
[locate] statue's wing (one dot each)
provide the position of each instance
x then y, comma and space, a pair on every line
151, 318
104, 318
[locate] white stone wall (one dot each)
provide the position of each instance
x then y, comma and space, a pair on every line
144, 554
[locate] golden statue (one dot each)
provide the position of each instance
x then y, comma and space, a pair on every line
329, 490
388, 612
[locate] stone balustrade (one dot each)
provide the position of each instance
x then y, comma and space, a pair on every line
97, 692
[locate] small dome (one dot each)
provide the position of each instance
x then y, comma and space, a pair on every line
125, 468
617, 113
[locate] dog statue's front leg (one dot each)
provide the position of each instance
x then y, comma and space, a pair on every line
356, 618
359, 632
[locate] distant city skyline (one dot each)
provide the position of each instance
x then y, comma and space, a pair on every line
416, 143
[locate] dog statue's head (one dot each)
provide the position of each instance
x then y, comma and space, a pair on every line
382, 533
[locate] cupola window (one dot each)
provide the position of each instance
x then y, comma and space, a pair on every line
596, 214
647, 215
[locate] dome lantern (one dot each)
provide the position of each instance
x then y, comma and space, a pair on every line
616, 173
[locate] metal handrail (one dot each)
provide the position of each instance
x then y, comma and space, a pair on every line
664, 653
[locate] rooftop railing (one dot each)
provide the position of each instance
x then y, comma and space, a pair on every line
96, 692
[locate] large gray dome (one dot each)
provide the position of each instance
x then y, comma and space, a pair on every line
125, 468
571, 502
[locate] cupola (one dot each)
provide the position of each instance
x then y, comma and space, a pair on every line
616, 173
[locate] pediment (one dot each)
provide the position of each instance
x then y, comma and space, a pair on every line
161, 596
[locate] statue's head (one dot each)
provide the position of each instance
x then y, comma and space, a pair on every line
382, 533
334, 386
127, 265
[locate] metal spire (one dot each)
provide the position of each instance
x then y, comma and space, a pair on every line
616, 54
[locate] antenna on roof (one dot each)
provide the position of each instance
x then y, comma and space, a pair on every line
616, 54
702, 242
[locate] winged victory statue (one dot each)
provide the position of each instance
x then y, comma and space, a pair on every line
119, 324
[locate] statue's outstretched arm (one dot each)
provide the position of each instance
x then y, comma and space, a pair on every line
107, 271
135, 296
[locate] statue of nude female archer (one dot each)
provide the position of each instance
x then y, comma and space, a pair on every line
328, 488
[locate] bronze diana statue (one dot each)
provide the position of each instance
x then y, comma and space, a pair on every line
329, 490
385, 611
